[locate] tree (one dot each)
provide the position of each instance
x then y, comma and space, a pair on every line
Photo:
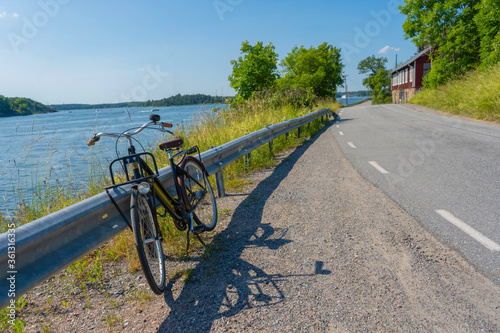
378, 80
455, 30
5, 108
488, 23
255, 71
319, 69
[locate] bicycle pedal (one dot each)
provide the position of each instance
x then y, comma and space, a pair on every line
197, 229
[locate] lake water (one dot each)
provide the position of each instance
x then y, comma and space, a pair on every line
351, 100
52, 148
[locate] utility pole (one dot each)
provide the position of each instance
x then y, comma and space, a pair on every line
346, 96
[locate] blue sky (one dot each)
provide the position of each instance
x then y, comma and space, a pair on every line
69, 51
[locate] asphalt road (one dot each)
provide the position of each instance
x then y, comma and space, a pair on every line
443, 170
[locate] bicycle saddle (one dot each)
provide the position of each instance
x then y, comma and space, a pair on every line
171, 144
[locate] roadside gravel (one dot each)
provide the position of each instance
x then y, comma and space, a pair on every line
309, 246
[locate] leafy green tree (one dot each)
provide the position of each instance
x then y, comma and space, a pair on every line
5, 109
378, 80
20, 105
319, 69
24, 106
382, 87
488, 23
255, 71
450, 28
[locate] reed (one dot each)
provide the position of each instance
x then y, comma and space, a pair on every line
473, 95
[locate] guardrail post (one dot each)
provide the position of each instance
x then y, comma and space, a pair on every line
248, 160
298, 132
270, 144
219, 183
286, 135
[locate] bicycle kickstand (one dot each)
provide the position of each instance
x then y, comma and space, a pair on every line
196, 233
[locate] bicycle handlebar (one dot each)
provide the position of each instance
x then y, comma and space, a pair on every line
161, 127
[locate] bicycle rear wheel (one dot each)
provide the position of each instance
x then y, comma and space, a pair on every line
148, 242
197, 192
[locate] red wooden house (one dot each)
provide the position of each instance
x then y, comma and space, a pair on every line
407, 79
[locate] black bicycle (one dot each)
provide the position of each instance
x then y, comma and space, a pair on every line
192, 206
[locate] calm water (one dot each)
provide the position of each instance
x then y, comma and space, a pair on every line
352, 100
52, 148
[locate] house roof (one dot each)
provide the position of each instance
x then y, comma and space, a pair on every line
412, 59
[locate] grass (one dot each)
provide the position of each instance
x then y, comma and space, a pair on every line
475, 95
209, 128
9, 318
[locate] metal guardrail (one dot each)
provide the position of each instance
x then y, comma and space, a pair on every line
38, 250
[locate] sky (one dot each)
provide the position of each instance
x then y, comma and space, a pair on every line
69, 51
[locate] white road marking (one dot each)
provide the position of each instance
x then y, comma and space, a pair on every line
338, 126
378, 167
341, 133
351, 144
488, 243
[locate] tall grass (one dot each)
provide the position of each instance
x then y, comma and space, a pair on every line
475, 95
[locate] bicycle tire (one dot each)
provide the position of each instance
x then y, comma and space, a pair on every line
205, 211
148, 242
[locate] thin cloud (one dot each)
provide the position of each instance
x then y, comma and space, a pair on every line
4, 14
387, 49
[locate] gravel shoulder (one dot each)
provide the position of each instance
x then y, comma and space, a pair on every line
308, 246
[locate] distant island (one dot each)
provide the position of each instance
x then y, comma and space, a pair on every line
176, 100
19, 106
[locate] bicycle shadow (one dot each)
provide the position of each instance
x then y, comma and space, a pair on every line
226, 284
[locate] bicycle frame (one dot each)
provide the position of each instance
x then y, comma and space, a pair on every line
137, 170
166, 200
143, 173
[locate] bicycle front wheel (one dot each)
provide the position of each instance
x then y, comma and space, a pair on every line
197, 193
148, 242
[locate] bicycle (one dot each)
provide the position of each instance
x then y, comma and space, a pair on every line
192, 205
